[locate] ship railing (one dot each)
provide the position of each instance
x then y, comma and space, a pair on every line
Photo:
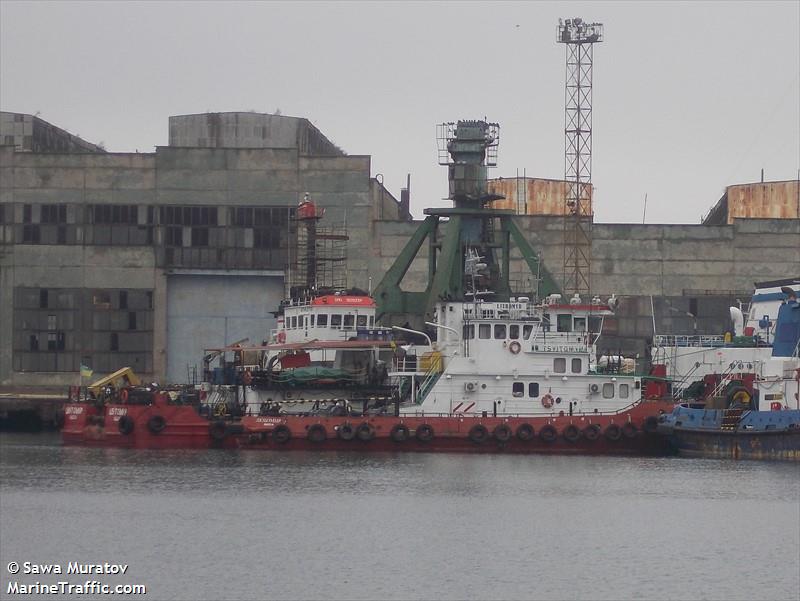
552, 415
698, 340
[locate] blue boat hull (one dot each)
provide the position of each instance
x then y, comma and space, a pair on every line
783, 445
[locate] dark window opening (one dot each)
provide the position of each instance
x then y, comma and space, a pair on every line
693, 306
52, 343
114, 341
30, 234
61, 235
149, 294
132, 320
174, 236
517, 389
123, 299
533, 390
199, 236
26, 214
33, 342
43, 298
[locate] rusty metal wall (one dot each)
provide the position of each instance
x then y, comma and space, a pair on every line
768, 200
531, 196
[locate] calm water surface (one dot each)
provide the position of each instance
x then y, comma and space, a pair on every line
263, 525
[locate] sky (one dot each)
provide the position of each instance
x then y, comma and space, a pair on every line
688, 97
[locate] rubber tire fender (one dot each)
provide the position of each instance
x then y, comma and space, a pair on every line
591, 432
613, 432
525, 432
399, 433
502, 433
156, 424
282, 434
125, 425
365, 432
317, 433
571, 433
478, 434
346, 431
218, 430
424, 433
548, 434
629, 430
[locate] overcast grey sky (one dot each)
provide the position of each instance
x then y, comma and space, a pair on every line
688, 97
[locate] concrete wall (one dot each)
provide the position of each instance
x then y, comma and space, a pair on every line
32, 134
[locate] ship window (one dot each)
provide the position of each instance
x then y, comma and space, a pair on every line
526, 331
513, 332
336, 321
484, 331
362, 321
349, 320
293, 322
371, 321
500, 331
608, 390
580, 324
469, 332
533, 390
322, 320
312, 320
560, 365
576, 366
564, 322
517, 389
623, 391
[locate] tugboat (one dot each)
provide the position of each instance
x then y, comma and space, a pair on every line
483, 369
761, 421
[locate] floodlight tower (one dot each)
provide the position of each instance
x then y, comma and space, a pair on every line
579, 39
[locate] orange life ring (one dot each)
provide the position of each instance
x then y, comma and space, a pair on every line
247, 378
547, 401
515, 347
123, 395
281, 337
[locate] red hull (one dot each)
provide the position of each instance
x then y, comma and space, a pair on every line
181, 427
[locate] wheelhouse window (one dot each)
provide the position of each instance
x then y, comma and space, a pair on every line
349, 320
560, 365
361, 322
624, 391
484, 331
533, 390
608, 390
526, 331
336, 321
580, 324
513, 332
564, 322
517, 389
576, 365
311, 318
322, 320
500, 331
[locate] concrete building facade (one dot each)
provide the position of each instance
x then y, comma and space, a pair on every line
144, 260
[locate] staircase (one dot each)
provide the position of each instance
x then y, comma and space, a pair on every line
731, 419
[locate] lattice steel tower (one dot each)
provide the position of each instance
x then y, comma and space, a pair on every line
579, 39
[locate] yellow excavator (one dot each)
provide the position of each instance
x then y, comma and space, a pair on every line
122, 378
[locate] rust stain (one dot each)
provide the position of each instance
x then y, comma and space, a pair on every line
767, 200
533, 196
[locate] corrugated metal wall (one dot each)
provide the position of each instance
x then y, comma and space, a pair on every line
531, 196
206, 311
768, 200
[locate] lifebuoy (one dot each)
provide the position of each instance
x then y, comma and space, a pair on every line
525, 432
424, 433
365, 432
281, 337
123, 395
478, 434
281, 434
125, 425
346, 431
547, 401
515, 347
399, 433
218, 430
591, 432
629, 430
317, 433
502, 433
571, 433
247, 378
548, 433
156, 424
613, 432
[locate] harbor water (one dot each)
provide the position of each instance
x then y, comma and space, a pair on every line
265, 525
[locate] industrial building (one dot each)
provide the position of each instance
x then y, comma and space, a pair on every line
145, 259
